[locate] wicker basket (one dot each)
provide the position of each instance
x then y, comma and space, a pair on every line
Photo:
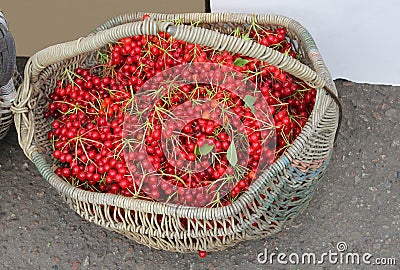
159, 225
7, 81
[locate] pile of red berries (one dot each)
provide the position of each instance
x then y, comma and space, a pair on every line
202, 143
125, 127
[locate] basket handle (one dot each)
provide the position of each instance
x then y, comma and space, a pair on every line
60, 52
187, 33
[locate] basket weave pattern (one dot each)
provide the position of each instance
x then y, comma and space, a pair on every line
268, 202
7, 70
6, 100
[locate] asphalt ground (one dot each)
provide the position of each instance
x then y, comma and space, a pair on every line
356, 208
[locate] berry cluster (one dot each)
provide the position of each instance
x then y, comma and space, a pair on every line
202, 143
115, 130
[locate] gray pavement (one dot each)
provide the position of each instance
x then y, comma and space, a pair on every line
357, 203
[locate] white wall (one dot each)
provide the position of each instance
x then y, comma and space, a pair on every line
359, 40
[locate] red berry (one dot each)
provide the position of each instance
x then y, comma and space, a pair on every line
202, 254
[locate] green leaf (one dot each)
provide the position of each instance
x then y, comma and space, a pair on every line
231, 154
240, 62
246, 37
249, 102
204, 150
